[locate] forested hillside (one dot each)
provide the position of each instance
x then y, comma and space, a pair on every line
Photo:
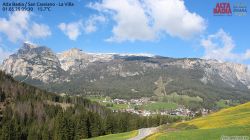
27, 112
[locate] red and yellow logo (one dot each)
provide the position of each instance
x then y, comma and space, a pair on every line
223, 8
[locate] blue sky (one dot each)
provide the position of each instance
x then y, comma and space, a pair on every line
170, 28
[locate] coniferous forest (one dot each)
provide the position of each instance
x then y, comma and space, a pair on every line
27, 112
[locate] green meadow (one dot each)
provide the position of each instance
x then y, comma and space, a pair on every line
120, 136
202, 134
233, 121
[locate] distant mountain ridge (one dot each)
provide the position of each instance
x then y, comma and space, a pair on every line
75, 71
32, 59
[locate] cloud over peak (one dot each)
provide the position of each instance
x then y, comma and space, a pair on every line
74, 29
19, 26
146, 19
90, 24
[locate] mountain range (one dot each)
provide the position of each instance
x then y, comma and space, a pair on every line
128, 75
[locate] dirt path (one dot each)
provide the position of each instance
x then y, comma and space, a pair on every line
144, 132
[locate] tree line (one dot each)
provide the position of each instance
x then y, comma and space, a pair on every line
30, 113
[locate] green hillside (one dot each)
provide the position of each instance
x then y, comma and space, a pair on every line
120, 136
233, 121
202, 134
233, 116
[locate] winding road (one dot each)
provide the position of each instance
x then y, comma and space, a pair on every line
144, 132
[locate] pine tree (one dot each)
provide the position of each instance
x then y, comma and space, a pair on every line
81, 127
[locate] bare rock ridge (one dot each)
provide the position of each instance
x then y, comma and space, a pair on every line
37, 62
76, 60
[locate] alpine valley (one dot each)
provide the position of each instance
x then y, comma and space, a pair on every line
128, 76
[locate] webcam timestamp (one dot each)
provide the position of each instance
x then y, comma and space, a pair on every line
33, 6
12, 9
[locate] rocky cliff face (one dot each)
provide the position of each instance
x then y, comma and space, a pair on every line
32, 61
74, 59
230, 73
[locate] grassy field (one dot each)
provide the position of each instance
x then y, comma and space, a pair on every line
233, 116
159, 106
233, 121
111, 105
119, 106
202, 134
120, 136
151, 106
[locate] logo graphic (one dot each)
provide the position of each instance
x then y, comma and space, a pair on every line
240, 9
222, 9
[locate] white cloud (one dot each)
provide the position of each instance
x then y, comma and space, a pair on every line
39, 31
146, 19
131, 20
220, 46
19, 26
72, 30
174, 18
15, 25
90, 25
